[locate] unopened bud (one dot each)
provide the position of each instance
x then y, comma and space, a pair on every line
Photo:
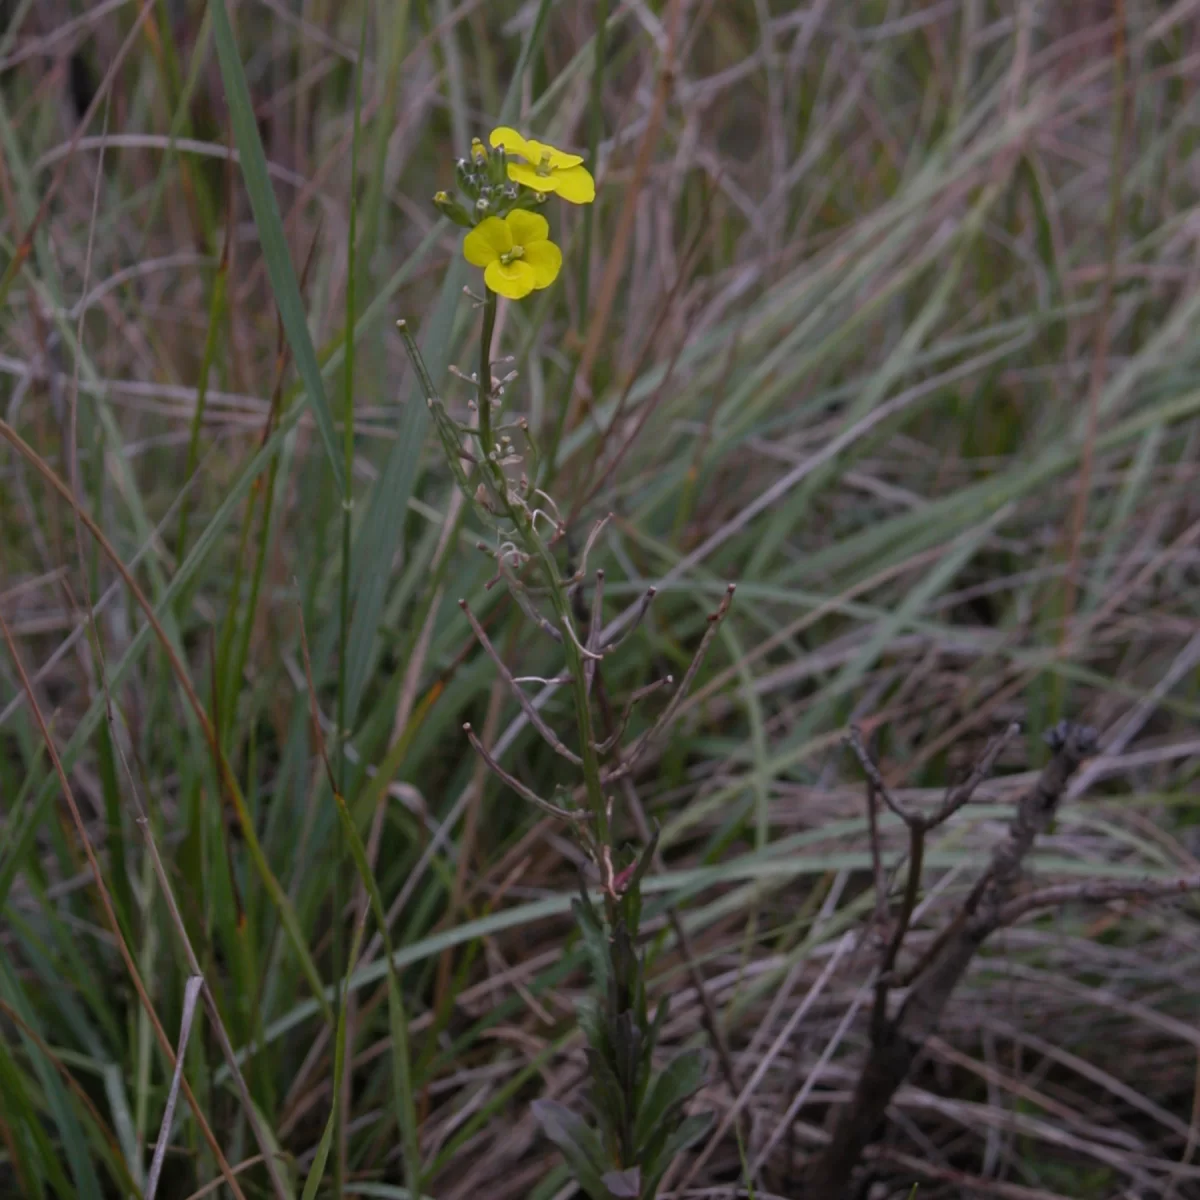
498, 167
468, 181
449, 207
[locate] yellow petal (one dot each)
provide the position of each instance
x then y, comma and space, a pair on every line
512, 280
523, 173
575, 185
487, 241
545, 258
559, 159
526, 227
511, 140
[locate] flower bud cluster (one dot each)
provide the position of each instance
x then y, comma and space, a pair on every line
485, 188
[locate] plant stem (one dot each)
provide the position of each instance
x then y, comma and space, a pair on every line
583, 711
341, 1088
485, 375
558, 596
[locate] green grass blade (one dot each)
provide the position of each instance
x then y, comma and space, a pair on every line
317, 1171
406, 1110
280, 270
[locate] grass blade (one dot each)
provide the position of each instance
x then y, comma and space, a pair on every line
280, 270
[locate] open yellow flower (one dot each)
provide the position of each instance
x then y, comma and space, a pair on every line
546, 169
514, 252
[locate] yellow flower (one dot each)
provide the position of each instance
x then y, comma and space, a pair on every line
546, 169
514, 253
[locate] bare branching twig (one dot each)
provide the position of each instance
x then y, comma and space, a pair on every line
958, 796
527, 705
639, 611
610, 742
897, 1040
517, 786
878, 873
668, 714
1097, 892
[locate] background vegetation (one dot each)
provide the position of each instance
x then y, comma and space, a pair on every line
886, 311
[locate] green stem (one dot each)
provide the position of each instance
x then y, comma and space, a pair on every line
226, 693
583, 709
558, 596
241, 649
344, 716
484, 392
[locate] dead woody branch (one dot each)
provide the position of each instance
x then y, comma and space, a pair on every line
897, 1038
994, 901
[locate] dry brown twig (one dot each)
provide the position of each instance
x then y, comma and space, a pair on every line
918, 825
669, 713
993, 902
535, 718
517, 786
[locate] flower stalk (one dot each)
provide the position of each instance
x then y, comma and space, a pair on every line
484, 391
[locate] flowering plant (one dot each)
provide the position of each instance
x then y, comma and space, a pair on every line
639, 1111
509, 242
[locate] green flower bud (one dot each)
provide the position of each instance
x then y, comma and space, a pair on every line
468, 181
498, 167
525, 198
451, 208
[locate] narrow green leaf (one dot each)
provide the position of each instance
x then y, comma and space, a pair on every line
317, 1171
60, 1105
688, 1133
578, 1142
270, 232
406, 1110
387, 1191
19, 842
20, 1117
34, 1147
780, 863
595, 940
669, 1090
